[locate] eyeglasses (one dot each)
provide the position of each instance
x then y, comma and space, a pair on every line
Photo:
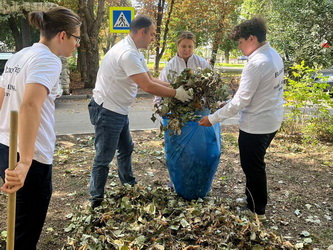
77, 38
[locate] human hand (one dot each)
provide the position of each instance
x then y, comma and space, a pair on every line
205, 122
184, 95
14, 179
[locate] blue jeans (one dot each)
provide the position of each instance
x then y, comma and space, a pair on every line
111, 134
32, 201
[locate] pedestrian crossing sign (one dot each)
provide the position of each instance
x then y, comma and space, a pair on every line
120, 19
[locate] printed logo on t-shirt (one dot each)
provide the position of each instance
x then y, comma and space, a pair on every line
11, 70
279, 86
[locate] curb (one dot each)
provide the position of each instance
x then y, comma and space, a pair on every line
93, 133
70, 97
88, 96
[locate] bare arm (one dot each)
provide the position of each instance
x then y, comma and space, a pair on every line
145, 82
2, 96
166, 84
29, 122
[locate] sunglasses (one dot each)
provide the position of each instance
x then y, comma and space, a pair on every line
77, 38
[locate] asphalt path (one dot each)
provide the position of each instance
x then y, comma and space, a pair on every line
72, 117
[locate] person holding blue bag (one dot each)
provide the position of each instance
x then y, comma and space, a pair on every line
185, 58
192, 157
259, 99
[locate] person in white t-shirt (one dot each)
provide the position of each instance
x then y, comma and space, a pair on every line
122, 71
29, 84
185, 58
259, 100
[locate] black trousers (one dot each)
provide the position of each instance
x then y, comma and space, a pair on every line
32, 201
252, 148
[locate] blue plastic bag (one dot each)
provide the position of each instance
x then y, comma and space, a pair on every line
192, 158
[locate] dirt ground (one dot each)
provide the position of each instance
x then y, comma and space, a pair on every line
300, 179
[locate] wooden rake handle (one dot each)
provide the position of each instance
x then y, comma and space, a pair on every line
11, 208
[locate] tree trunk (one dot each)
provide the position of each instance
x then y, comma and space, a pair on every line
214, 53
110, 41
25, 30
88, 59
159, 50
160, 9
227, 56
16, 33
215, 47
218, 37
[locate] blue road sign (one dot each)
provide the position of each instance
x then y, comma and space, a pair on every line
120, 19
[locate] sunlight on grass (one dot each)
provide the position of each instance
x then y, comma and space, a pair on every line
162, 65
241, 65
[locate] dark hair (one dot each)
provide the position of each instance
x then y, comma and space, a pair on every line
140, 22
255, 26
55, 20
186, 35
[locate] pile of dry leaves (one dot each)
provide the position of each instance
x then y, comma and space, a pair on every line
153, 217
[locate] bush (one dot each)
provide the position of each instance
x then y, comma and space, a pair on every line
308, 105
72, 65
320, 127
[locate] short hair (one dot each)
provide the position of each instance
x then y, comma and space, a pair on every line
186, 35
57, 19
255, 26
140, 22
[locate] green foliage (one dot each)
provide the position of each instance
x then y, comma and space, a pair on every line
320, 128
230, 65
3, 237
207, 88
297, 28
152, 217
6, 34
308, 103
72, 64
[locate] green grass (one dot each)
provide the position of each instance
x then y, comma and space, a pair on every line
151, 65
241, 65
162, 65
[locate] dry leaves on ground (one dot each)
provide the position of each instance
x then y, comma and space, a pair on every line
300, 194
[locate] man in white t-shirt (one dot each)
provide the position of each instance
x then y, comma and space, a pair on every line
122, 71
259, 100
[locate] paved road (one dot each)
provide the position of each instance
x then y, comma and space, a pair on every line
72, 116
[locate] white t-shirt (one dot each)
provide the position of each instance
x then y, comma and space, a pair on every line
114, 87
259, 98
35, 64
178, 64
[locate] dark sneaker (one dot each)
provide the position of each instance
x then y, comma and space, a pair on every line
95, 204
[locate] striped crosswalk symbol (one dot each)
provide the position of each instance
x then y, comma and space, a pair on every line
122, 21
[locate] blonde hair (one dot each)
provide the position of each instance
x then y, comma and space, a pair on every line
186, 35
